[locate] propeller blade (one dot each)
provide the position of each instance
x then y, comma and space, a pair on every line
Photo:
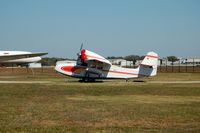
79, 53
81, 47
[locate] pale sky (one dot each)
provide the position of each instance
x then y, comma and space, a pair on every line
108, 27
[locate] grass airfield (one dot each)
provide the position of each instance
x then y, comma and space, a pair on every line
53, 103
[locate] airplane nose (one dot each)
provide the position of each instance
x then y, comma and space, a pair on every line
58, 68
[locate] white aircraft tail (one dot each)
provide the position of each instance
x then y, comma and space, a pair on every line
148, 67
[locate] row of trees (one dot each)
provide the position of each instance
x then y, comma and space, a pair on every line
52, 61
134, 58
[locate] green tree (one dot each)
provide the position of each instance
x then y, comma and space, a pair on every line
172, 59
51, 61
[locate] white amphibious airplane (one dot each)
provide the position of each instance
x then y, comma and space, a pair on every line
23, 57
90, 66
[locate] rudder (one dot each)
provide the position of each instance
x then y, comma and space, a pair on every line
148, 67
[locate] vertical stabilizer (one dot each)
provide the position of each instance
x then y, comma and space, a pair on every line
148, 67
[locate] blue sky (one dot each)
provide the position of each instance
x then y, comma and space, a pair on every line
108, 27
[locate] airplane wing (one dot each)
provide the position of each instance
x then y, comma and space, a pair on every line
20, 56
91, 57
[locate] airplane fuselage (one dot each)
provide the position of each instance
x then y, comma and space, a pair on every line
110, 72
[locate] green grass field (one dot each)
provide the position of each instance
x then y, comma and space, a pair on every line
65, 105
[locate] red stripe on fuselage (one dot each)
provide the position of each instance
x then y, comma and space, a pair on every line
71, 68
126, 73
68, 68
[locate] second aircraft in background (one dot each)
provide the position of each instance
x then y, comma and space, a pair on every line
19, 57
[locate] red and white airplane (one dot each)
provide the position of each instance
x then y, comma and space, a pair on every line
22, 57
91, 66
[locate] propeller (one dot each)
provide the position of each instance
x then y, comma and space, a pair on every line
81, 47
79, 53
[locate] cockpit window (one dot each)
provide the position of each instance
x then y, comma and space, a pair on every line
81, 63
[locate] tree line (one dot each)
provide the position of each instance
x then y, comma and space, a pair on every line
51, 61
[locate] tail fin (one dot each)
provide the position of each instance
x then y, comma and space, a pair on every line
148, 67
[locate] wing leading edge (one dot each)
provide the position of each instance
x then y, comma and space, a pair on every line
88, 56
20, 56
